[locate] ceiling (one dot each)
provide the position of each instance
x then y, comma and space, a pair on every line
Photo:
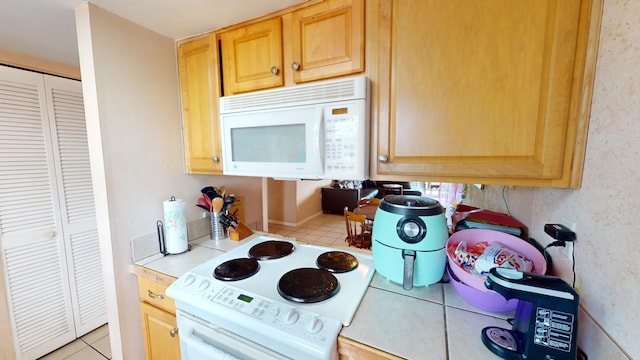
46, 28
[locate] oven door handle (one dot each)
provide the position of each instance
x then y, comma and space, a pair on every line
210, 341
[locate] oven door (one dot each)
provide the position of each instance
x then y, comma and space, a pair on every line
202, 340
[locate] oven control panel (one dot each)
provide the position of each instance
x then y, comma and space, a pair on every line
283, 318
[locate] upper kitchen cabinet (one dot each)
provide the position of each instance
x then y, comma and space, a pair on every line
252, 57
494, 91
198, 67
310, 41
327, 40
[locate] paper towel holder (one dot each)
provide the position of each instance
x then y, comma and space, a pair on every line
161, 243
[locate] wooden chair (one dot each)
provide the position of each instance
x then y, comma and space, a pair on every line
358, 233
374, 203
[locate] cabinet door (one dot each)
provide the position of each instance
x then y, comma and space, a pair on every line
491, 91
197, 62
160, 331
252, 57
328, 40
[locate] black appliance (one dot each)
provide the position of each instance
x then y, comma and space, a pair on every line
546, 320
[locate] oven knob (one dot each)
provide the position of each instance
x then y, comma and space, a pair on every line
315, 325
291, 316
204, 284
189, 280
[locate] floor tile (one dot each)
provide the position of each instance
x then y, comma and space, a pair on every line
66, 351
103, 346
86, 353
96, 334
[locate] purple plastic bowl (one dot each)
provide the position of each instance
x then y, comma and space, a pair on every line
473, 236
489, 301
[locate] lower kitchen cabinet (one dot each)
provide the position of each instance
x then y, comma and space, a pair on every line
160, 331
352, 350
158, 313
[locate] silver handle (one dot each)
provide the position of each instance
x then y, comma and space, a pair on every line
154, 296
173, 332
275, 70
409, 257
383, 159
295, 66
215, 159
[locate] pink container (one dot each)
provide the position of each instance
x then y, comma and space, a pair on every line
473, 236
484, 300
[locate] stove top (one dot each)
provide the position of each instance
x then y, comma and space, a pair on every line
255, 302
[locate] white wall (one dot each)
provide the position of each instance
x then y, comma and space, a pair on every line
605, 209
130, 86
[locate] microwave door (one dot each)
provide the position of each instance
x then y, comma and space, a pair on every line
280, 143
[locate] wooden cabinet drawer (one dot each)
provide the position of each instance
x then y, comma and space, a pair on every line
350, 350
154, 293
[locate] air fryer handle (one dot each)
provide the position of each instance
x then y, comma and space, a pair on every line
409, 257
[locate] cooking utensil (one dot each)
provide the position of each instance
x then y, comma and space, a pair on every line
216, 204
228, 202
229, 221
210, 192
204, 203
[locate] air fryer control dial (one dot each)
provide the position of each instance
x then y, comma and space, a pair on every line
411, 229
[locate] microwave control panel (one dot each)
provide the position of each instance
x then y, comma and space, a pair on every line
345, 144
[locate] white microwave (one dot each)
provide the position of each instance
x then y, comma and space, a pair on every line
312, 131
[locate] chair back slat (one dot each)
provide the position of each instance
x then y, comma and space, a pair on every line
358, 231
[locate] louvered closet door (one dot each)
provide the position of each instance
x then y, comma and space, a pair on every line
67, 123
31, 239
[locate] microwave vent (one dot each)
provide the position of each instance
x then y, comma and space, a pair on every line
315, 93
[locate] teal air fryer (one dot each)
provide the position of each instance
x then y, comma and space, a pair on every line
408, 240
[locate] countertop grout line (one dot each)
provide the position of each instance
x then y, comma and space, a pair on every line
446, 326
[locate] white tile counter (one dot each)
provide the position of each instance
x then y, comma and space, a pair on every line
424, 323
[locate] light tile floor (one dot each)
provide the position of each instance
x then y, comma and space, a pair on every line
326, 229
92, 346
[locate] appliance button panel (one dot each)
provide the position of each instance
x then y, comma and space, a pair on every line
291, 317
189, 279
204, 284
411, 229
315, 325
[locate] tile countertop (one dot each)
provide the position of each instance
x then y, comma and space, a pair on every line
425, 323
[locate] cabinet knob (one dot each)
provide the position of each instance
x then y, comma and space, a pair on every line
215, 159
51, 235
275, 70
382, 159
173, 332
295, 66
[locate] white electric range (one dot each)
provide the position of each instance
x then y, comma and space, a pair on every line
251, 318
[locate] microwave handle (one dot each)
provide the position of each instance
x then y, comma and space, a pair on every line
320, 139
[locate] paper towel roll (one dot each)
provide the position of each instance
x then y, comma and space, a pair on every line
175, 226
